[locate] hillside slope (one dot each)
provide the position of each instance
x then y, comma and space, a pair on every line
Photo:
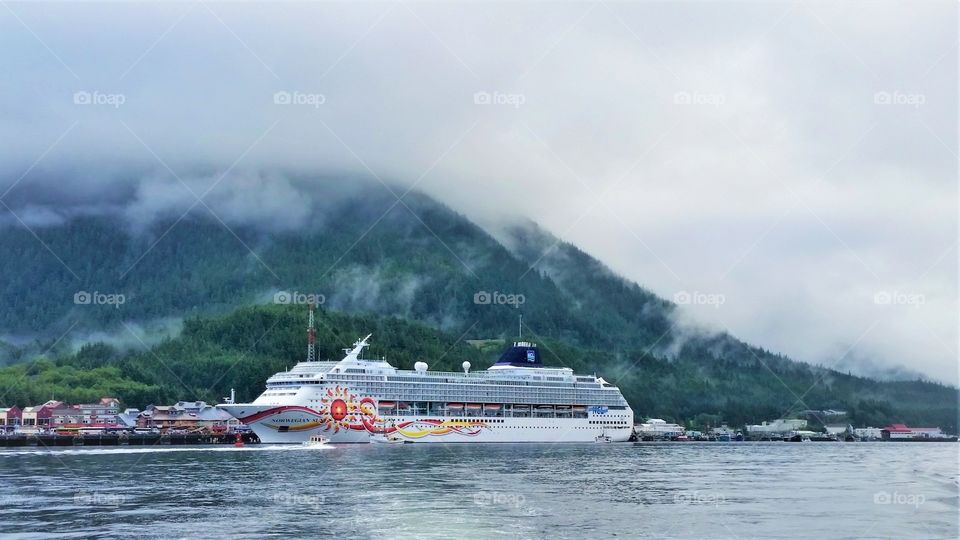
376, 260
240, 350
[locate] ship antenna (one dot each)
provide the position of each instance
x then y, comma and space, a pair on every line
521, 327
311, 337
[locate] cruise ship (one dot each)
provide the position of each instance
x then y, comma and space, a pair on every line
515, 400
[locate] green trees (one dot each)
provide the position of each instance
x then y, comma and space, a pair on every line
37, 381
414, 290
241, 349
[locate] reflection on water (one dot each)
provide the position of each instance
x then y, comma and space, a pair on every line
710, 490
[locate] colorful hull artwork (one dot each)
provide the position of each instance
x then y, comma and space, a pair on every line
342, 411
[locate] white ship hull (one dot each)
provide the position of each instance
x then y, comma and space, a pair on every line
431, 429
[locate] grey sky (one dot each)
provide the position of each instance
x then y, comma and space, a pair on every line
798, 159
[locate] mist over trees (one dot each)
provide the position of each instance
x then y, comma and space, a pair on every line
424, 281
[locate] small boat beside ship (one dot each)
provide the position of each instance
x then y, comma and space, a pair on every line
380, 438
316, 441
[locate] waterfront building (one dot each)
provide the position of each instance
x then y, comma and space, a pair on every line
128, 418
781, 426
185, 415
658, 428
868, 433
838, 429
724, 433
902, 431
57, 414
10, 418
102, 413
39, 417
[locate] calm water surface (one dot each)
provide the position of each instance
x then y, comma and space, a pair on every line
686, 490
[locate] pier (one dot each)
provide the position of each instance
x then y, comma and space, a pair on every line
122, 439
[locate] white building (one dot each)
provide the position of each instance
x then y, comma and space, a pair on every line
659, 429
868, 433
838, 429
779, 426
901, 431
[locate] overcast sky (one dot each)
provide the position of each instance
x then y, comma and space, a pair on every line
791, 166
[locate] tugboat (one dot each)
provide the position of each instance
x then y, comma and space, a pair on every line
603, 438
393, 438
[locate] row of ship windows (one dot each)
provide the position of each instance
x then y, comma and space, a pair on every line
534, 399
489, 418
501, 421
419, 406
433, 388
485, 387
381, 391
527, 400
548, 381
405, 383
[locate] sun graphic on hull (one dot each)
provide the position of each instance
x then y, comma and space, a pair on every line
339, 409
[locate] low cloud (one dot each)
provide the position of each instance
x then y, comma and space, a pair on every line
732, 148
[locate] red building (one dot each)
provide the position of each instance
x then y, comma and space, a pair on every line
57, 414
902, 431
10, 417
40, 417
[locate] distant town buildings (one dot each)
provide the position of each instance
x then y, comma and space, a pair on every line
59, 414
185, 415
781, 426
901, 431
102, 413
657, 428
868, 433
105, 414
838, 429
10, 418
128, 418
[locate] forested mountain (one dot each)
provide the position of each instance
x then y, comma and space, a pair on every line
414, 274
240, 350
